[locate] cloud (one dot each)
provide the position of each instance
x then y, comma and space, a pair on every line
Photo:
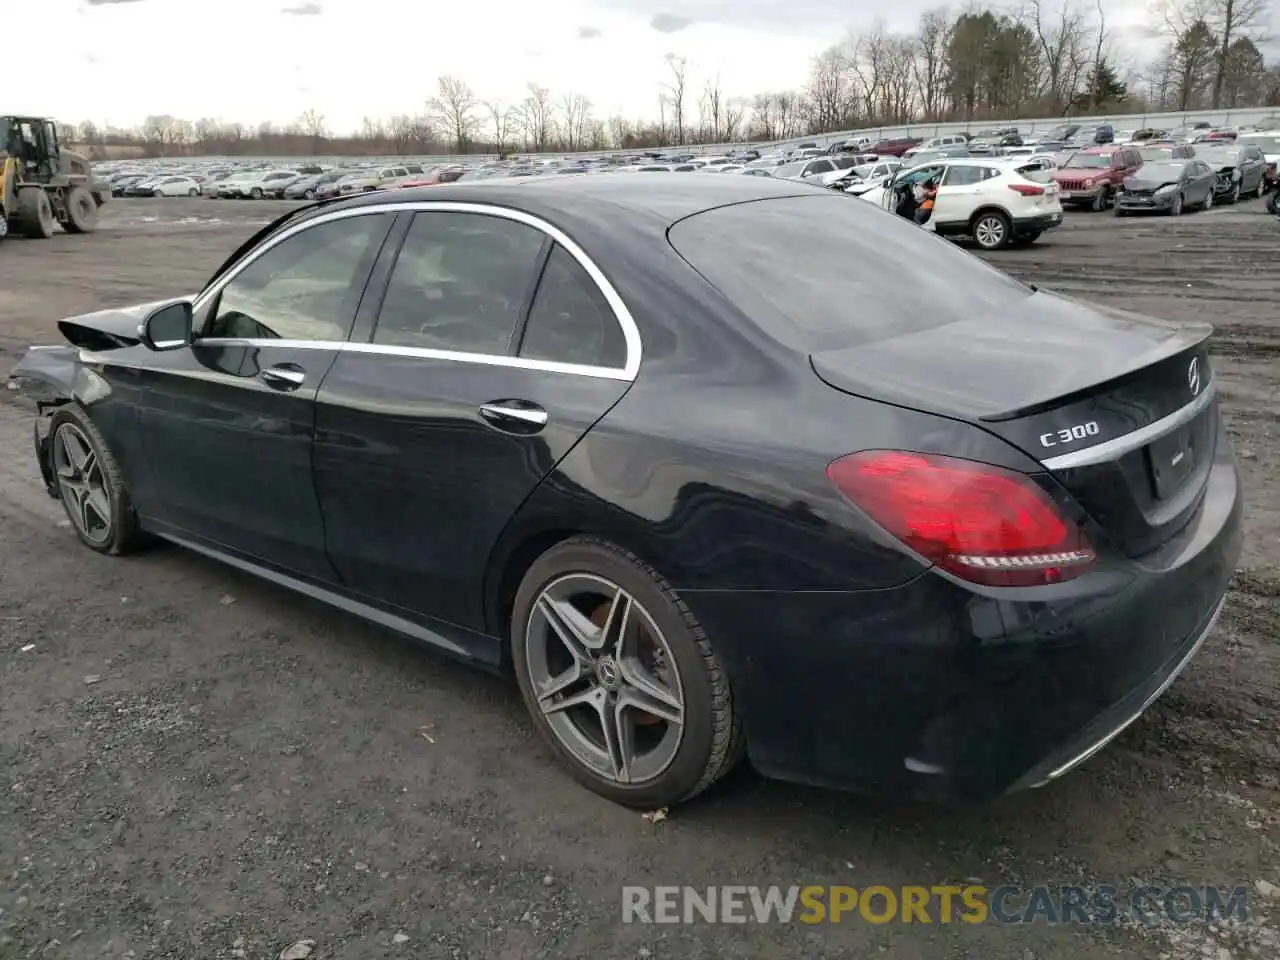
304, 10
669, 22
588, 33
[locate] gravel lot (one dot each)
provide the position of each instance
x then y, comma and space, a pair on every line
199, 765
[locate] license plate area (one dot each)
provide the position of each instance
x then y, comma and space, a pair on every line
1170, 460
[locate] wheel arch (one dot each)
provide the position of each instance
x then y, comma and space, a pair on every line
518, 549
989, 208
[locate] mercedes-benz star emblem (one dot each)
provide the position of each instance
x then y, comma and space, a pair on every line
1193, 376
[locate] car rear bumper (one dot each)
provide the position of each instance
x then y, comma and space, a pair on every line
937, 691
1037, 223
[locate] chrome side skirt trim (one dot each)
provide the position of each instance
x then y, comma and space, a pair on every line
1111, 449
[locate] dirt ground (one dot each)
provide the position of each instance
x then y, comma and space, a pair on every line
194, 764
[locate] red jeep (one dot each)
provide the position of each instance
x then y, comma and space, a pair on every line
1091, 176
894, 146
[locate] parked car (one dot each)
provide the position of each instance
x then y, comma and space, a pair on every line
858, 180
1090, 177
1268, 141
308, 188
1166, 186
893, 146
1157, 151
959, 140
943, 557
994, 203
1241, 170
173, 187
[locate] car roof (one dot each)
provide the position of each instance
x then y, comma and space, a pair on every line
652, 204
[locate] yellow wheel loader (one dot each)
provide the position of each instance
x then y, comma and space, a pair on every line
41, 184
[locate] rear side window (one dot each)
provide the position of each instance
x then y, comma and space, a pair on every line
459, 283
570, 321
962, 176
866, 275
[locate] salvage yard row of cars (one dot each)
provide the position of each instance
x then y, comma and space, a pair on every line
997, 187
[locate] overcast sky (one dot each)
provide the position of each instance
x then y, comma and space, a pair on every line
117, 61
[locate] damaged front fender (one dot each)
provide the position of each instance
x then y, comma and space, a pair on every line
50, 377
47, 374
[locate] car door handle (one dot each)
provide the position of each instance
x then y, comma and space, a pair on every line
284, 376
514, 416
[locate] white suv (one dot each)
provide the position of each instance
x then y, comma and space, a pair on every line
992, 202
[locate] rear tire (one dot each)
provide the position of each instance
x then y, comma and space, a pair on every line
193, 192
90, 484
82, 211
579, 581
991, 230
35, 213
1273, 203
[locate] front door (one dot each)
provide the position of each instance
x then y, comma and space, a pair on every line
493, 353
228, 424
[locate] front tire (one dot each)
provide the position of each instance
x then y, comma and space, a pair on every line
1208, 201
1235, 194
82, 211
620, 677
1175, 209
1100, 201
90, 484
255, 194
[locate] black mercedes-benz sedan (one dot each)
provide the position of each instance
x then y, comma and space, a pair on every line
714, 465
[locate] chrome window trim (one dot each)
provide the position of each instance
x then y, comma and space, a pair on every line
1118, 447
630, 332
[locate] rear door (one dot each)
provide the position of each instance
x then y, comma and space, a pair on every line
495, 349
958, 194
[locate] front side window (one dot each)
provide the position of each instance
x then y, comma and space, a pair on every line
306, 287
460, 283
570, 321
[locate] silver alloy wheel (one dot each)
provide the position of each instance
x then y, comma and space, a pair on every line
1208, 201
1176, 209
4, 226
82, 483
605, 678
989, 232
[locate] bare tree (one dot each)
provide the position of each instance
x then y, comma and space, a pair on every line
1060, 35
676, 93
455, 109
576, 110
1233, 20
620, 130
501, 117
829, 96
537, 113
713, 109
929, 66
734, 112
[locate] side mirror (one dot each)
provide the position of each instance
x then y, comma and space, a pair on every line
167, 328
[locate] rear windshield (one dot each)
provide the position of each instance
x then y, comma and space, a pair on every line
832, 271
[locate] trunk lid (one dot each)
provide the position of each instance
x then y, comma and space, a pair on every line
1118, 407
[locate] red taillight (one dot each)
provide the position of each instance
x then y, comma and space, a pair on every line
982, 523
1026, 189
